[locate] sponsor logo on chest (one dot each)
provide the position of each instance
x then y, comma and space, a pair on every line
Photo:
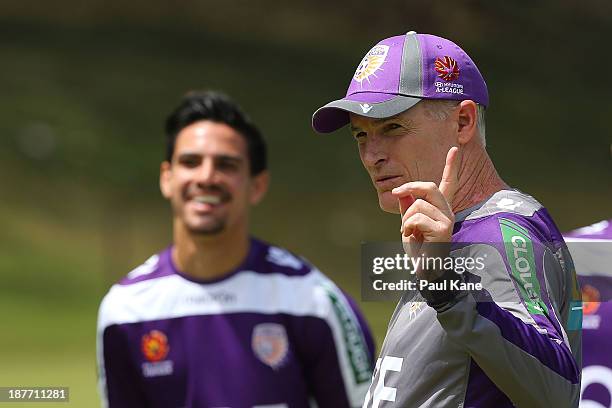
155, 348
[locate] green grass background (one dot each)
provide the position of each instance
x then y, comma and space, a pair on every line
86, 85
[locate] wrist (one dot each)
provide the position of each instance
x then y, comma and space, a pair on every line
443, 291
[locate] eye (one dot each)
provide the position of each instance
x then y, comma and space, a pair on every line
189, 161
392, 126
360, 136
227, 164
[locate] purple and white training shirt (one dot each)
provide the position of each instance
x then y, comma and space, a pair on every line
273, 333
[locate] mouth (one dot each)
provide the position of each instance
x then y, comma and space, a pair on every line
207, 199
386, 183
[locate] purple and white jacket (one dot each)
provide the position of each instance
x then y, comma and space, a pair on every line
521, 347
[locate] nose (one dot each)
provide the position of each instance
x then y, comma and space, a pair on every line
373, 153
206, 172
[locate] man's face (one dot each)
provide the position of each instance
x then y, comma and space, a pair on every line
208, 181
411, 146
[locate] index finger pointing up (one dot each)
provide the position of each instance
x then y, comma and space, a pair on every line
450, 177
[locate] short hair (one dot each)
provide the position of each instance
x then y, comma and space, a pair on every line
440, 110
216, 107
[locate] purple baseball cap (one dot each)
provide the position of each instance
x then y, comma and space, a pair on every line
400, 71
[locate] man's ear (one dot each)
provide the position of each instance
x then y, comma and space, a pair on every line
467, 121
165, 174
259, 186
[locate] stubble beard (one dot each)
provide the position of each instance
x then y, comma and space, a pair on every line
212, 227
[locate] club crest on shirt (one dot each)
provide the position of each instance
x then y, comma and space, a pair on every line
371, 63
270, 344
154, 346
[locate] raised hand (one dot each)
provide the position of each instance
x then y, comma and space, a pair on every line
426, 209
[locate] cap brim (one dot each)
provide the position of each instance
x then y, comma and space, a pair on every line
335, 115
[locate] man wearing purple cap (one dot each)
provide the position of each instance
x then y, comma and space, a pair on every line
416, 109
591, 249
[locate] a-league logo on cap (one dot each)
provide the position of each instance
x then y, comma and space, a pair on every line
447, 68
372, 61
270, 344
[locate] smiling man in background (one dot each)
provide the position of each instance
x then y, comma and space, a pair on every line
221, 319
416, 108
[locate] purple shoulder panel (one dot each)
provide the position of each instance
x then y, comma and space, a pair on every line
155, 267
543, 234
559, 359
275, 259
262, 258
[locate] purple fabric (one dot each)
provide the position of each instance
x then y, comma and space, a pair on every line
555, 356
470, 79
600, 230
597, 323
482, 392
543, 233
388, 69
255, 261
596, 335
211, 358
214, 364
488, 231
386, 78
603, 285
162, 268
544, 222
545, 236
383, 84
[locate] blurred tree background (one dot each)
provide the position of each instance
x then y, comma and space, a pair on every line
86, 86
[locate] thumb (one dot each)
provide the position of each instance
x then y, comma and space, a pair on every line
450, 177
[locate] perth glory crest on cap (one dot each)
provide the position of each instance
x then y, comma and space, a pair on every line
400, 71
